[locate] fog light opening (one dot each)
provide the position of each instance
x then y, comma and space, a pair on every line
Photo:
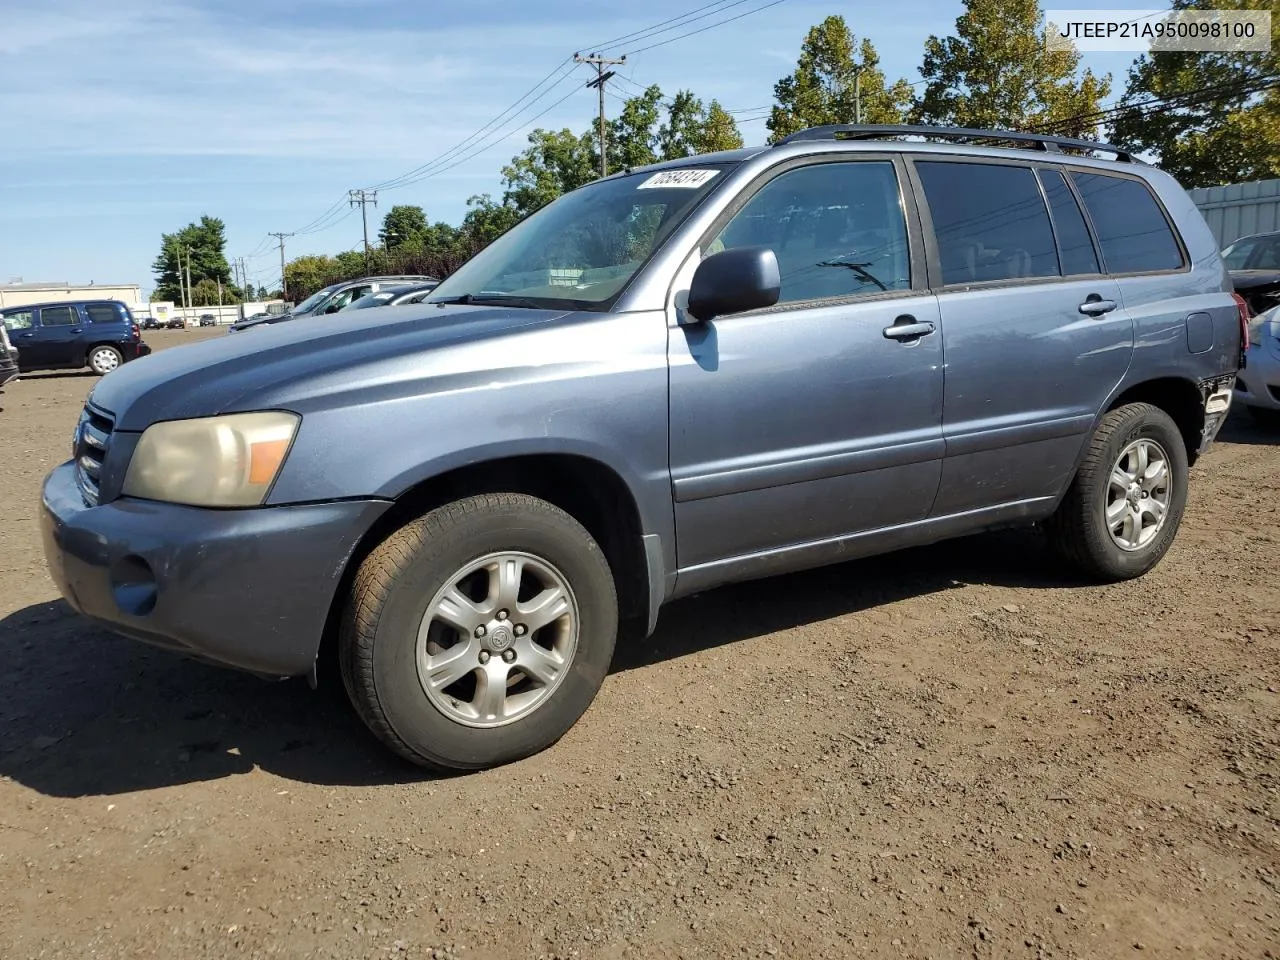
133, 586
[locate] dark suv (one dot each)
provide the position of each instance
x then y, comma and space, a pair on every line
710, 370
101, 334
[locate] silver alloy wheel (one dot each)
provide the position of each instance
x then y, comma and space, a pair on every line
1138, 494
104, 360
497, 639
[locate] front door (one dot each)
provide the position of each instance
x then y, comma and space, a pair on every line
21, 324
795, 426
58, 342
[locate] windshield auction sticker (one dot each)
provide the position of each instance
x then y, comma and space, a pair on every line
1147, 31
689, 179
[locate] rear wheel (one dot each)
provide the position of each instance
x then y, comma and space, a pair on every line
1123, 509
479, 633
104, 358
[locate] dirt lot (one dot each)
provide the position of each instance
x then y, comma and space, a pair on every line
953, 752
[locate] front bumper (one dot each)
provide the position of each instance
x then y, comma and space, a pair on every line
8, 370
244, 588
1258, 384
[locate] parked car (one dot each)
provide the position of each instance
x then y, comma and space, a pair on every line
177, 323
1254, 263
208, 320
329, 300
393, 296
151, 323
704, 371
8, 357
101, 334
1258, 384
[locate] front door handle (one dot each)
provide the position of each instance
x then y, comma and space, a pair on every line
26, 334
1095, 306
908, 328
76, 330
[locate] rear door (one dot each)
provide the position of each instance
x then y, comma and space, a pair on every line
1037, 338
57, 340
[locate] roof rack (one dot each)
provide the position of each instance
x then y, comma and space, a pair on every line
876, 131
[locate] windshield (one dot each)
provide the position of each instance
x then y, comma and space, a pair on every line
580, 251
313, 301
1238, 253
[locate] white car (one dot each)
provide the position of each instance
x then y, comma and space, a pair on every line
1258, 384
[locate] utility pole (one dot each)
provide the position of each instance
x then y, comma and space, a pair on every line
190, 298
857, 95
602, 77
363, 197
182, 289
284, 288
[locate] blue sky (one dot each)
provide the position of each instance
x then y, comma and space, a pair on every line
126, 119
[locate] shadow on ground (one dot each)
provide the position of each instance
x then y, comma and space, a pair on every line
84, 712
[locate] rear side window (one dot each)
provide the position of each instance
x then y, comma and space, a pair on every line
1132, 230
58, 316
19, 319
102, 313
1075, 246
990, 221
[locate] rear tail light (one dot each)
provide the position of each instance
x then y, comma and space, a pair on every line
137, 332
1242, 307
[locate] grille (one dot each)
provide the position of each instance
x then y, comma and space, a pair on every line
89, 450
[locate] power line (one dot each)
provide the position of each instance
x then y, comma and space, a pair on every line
637, 34
710, 26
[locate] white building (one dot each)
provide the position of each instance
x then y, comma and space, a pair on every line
21, 294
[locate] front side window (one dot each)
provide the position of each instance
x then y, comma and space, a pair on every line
990, 221
837, 229
581, 250
1132, 230
102, 313
58, 316
19, 319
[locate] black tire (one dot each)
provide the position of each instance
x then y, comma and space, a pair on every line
111, 359
1078, 529
1265, 417
389, 598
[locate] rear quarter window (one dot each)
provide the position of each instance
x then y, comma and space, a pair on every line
1133, 231
103, 313
19, 319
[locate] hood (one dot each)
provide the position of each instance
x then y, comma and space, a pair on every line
248, 322
231, 374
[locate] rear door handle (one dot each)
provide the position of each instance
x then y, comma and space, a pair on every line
1095, 306
76, 330
907, 328
26, 334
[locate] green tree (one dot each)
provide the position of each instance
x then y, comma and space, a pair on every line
1204, 114
997, 72
633, 136
552, 164
404, 226
691, 129
206, 294
486, 220
836, 79
305, 275
205, 244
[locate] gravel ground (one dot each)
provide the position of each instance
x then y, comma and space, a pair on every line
951, 752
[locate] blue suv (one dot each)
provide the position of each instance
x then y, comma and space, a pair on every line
705, 371
100, 334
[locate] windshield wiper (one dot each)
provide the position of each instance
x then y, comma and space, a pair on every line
488, 299
859, 268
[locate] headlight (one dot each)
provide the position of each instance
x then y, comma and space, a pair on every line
228, 461
1255, 331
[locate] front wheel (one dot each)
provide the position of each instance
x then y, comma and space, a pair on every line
103, 359
1124, 507
479, 633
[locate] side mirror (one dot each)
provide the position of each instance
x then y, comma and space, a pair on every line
731, 281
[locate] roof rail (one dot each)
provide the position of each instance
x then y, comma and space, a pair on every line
875, 131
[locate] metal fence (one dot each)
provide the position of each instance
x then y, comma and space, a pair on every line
1239, 209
